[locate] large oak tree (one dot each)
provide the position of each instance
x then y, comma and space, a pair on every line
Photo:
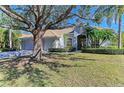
39, 18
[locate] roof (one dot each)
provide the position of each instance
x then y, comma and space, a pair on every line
26, 36
58, 32
99, 28
52, 33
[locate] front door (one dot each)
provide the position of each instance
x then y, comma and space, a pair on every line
81, 41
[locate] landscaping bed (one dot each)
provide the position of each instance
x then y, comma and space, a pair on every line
11, 54
103, 51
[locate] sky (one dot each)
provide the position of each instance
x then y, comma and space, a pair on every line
103, 24
113, 25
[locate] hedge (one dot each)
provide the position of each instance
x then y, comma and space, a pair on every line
103, 51
68, 49
8, 49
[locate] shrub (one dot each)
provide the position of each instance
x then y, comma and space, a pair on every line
70, 49
67, 49
57, 50
103, 51
8, 49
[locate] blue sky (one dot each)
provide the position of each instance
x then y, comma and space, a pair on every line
113, 25
103, 24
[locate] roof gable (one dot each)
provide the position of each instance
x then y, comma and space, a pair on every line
52, 33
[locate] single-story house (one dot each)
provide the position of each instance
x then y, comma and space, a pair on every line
71, 36
51, 39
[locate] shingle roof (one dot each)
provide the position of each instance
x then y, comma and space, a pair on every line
52, 33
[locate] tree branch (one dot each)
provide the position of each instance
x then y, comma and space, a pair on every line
7, 10
82, 17
61, 17
14, 27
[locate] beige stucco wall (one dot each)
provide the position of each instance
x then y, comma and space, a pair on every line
48, 42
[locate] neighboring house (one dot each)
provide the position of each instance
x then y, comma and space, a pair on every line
71, 36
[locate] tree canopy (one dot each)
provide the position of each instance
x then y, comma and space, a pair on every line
38, 18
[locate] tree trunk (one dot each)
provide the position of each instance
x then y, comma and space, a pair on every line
38, 45
119, 32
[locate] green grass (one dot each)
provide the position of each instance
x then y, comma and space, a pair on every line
75, 69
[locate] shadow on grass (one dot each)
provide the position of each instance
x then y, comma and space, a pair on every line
82, 59
73, 58
55, 66
15, 68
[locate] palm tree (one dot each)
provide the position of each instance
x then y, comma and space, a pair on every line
11, 39
120, 32
98, 36
111, 13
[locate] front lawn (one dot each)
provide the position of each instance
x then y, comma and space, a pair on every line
63, 69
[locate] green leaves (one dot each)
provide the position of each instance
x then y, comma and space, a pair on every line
99, 36
4, 39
